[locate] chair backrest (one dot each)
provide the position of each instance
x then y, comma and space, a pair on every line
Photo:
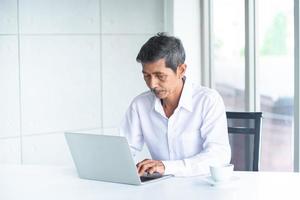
244, 135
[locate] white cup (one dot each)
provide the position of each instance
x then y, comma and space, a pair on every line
221, 172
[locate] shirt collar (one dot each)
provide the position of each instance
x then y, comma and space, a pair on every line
185, 101
186, 98
157, 106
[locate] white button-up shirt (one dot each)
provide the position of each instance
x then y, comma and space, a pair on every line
193, 138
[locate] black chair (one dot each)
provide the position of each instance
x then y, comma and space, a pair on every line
244, 136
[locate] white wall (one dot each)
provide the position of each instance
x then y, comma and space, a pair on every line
69, 65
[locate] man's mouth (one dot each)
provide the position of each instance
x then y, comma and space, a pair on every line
156, 91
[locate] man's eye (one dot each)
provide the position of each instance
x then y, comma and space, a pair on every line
146, 76
161, 77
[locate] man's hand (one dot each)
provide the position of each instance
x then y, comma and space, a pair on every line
150, 166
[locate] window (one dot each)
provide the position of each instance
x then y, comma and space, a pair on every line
275, 65
228, 52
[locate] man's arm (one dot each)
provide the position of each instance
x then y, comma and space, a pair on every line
131, 129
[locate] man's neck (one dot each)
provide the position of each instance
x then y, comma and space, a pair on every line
170, 104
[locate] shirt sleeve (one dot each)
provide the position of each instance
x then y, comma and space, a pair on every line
130, 128
216, 147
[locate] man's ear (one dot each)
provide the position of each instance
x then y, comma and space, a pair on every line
181, 70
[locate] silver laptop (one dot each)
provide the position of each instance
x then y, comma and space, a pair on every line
105, 158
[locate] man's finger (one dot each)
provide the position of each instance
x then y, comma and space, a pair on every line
140, 164
153, 169
143, 162
158, 167
145, 167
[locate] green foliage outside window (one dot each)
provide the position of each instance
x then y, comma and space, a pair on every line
275, 39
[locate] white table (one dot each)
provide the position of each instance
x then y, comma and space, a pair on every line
21, 182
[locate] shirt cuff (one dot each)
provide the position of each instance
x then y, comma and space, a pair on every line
173, 167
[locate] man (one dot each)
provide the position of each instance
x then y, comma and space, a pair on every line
183, 125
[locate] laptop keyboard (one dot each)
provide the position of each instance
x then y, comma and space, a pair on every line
148, 177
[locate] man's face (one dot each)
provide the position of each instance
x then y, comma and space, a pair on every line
163, 81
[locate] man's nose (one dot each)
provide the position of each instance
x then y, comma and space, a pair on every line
152, 82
